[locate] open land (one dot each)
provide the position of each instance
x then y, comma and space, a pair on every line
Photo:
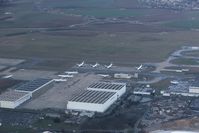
68, 32
43, 38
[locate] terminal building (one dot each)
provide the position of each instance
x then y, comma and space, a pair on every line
36, 87
12, 99
98, 97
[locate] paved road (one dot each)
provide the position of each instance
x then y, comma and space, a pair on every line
167, 63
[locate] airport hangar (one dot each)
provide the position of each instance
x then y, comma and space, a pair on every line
12, 99
16, 96
36, 87
98, 97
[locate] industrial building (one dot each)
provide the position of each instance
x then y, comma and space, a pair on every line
12, 99
144, 91
36, 87
98, 97
125, 76
119, 88
91, 100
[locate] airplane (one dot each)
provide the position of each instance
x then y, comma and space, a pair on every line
97, 64
140, 67
178, 71
104, 75
8, 76
81, 64
109, 66
60, 80
66, 76
71, 72
174, 82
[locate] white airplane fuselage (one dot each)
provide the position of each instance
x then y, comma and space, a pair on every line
140, 67
81, 64
109, 66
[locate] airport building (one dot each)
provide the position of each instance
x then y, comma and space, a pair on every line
12, 99
119, 88
143, 91
122, 75
194, 88
36, 87
91, 100
182, 88
98, 97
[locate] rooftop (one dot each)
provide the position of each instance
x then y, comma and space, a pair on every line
109, 86
90, 96
33, 85
12, 95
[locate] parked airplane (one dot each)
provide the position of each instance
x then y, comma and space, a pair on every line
174, 82
109, 66
140, 67
96, 64
104, 75
71, 72
8, 76
60, 80
66, 76
81, 64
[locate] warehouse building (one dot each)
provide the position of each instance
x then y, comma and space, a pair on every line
98, 97
91, 100
119, 88
12, 99
36, 87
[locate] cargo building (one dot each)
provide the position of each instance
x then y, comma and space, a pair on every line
36, 87
12, 99
98, 97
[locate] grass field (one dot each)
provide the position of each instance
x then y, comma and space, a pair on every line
184, 24
40, 29
184, 61
123, 48
105, 12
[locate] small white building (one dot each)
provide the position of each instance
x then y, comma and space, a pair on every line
119, 88
194, 88
143, 91
122, 75
91, 100
12, 99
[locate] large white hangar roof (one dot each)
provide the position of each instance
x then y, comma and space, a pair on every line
91, 96
12, 95
33, 85
107, 86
